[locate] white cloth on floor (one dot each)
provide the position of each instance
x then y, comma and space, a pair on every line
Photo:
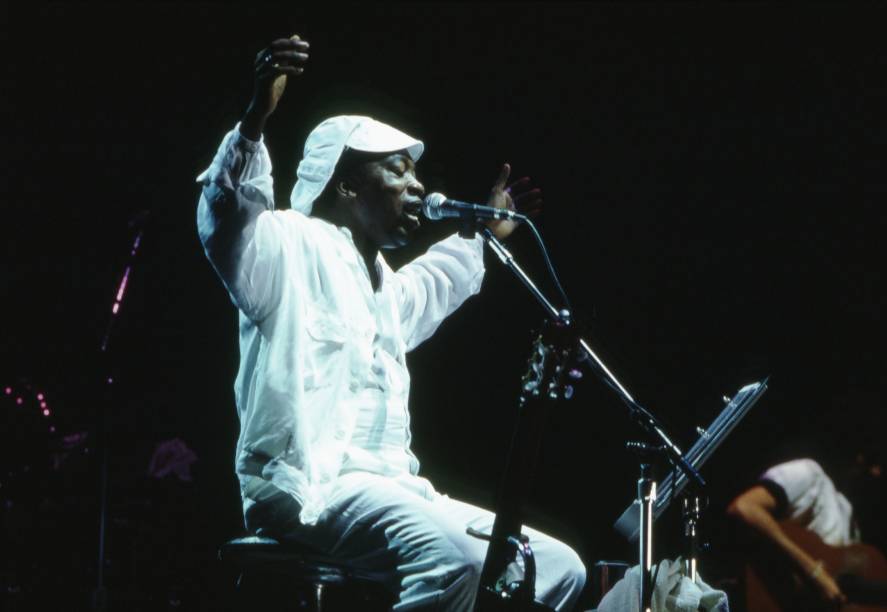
673, 592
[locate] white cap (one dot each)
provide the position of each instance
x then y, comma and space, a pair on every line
324, 147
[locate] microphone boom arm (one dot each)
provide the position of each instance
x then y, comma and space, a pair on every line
643, 416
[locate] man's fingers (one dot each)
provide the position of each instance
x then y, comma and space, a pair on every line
527, 198
282, 58
294, 57
289, 70
272, 62
531, 207
499, 185
518, 194
289, 43
518, 186
284, 43
271, 70
285, 46
532, 213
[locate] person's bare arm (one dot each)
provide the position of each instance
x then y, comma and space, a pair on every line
755, 508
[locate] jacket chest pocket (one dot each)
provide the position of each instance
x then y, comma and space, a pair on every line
335, 354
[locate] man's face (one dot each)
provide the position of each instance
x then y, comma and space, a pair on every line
389, 199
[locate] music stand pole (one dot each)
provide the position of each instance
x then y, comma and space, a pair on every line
691, 509
646, 498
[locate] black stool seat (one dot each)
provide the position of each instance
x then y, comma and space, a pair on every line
295, 558
297, 564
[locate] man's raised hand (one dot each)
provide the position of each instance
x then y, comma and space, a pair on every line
283, 58
519, 196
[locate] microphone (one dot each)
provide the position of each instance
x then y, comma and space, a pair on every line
437, 206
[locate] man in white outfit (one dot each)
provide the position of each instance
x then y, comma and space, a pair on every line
322, 391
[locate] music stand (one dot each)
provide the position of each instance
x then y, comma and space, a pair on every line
629, 523
647, 421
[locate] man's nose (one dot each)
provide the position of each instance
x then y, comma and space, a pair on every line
415, 188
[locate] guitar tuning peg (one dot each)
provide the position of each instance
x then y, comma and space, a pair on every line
568, 392
575, 374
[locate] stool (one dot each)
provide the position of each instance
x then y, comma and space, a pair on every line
273, 572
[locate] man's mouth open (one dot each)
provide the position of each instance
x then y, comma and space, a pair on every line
411, 213
410, 221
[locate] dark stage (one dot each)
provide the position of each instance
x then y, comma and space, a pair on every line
714, 178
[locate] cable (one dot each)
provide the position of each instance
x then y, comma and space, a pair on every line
551, 270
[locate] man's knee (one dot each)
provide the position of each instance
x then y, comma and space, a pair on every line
452, 583
446, 559
576, 572
570, 568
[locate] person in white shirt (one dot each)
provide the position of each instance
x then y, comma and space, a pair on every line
322, 391
800, 491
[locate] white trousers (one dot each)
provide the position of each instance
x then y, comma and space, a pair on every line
401, 527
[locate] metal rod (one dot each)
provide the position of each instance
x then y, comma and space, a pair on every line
646, 499
691, 510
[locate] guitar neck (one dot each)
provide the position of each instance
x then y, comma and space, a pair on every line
520, 465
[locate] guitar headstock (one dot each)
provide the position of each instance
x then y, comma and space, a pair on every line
551, 367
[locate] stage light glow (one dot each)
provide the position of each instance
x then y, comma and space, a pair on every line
8, 390
19, 401
40, 396
43, 404
45, 412
122, 288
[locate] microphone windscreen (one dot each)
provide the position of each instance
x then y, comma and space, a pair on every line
432, 206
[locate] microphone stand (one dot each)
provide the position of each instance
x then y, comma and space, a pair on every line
100, 594
649, 423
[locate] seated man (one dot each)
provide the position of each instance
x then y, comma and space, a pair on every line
801, 492
324, 451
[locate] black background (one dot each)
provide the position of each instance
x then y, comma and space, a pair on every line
714, 177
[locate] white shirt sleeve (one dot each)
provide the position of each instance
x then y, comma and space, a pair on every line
813, 500
240, 235
434, 284
801, 479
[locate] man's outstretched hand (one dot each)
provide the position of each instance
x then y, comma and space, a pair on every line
519, 196
285, 57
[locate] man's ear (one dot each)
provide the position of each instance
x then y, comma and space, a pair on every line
345, 189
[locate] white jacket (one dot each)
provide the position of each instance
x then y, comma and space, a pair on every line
308, 322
